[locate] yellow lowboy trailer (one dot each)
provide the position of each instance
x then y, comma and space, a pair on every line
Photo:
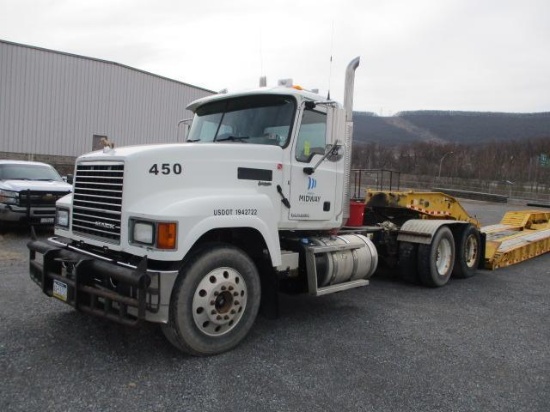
521, 235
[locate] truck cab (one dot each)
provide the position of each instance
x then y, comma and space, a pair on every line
305, 130
195, 235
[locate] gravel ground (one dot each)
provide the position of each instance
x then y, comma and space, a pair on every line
480, 344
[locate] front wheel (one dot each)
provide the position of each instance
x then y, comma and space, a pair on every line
436, 260
214, 302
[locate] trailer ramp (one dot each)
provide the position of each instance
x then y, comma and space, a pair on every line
520, 235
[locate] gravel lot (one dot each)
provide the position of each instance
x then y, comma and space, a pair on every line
480, 344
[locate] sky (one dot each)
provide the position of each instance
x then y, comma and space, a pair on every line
467, 55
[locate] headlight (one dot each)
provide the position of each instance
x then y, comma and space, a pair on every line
144, 232
160, 235
62, 217
8, 197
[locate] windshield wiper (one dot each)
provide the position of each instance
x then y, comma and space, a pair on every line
232, 138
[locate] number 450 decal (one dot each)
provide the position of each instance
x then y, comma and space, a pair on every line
166, 169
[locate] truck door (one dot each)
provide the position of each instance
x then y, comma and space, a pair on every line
312, 197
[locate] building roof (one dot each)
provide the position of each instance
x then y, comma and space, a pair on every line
77, 56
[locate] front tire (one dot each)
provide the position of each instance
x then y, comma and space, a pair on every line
214, 302
436, 260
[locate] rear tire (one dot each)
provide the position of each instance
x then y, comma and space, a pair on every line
408, 262
214, 302
436, 260
468, 253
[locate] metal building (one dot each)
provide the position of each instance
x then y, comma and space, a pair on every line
60, 104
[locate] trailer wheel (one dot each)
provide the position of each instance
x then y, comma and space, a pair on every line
408, 261
436, 260
215, 301
468, 253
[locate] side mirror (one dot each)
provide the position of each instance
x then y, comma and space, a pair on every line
70, 179
334, 152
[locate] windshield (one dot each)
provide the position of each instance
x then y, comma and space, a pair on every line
263, 119
28, 172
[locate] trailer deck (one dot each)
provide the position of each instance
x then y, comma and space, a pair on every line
520, 235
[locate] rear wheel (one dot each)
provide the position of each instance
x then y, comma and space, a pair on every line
436, 260
408, 261
214, 302
468, 253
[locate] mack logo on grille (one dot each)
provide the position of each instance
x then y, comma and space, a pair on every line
105, 225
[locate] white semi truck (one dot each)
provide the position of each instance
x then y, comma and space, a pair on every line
196, 236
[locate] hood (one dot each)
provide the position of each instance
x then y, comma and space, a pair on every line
46, 186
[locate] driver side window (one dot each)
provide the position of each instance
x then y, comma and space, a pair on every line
311, 136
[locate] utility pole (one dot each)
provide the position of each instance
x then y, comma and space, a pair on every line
441, 163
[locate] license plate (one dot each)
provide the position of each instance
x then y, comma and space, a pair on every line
46, 220
60, 290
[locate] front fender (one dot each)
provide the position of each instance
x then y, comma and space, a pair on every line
201, 213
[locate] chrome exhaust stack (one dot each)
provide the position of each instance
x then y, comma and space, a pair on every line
348, 107
348, 88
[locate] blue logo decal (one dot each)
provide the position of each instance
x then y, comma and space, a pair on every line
311, 183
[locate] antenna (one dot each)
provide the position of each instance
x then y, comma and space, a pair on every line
261, 59
330, 62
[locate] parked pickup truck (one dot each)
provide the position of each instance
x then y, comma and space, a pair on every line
28, 192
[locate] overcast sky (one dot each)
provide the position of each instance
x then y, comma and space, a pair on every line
486, 55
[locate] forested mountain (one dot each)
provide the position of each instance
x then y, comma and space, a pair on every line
449, 127
510, 149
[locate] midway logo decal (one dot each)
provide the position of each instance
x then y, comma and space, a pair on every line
310, 198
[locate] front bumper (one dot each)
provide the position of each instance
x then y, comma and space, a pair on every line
127, 295
32, 215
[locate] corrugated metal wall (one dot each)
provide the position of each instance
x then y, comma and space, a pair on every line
54, 103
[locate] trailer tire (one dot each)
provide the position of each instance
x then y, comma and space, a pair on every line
468, 252
436, 260
408, 262
214, 302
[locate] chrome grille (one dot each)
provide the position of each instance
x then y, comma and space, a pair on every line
97, 200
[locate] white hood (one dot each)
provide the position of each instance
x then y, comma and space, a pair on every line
47, 186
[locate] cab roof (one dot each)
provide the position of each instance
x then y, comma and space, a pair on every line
299, 94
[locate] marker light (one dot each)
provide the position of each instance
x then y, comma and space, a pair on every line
166, 235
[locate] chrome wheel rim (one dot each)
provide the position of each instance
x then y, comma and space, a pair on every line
219, 301
444, 257
471, 251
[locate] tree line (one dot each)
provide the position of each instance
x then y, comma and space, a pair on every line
515, 161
